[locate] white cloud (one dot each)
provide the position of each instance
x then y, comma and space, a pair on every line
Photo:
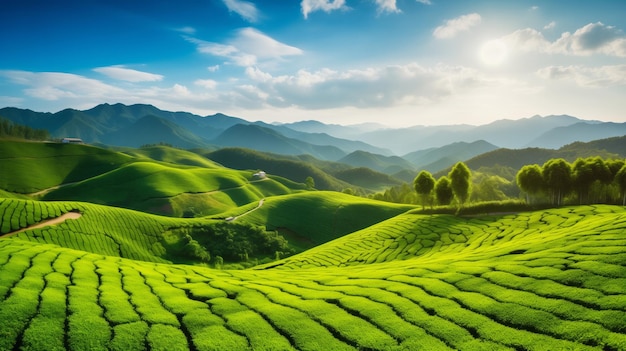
245, 9
594, 38
534, 8
309, 6
260, 45
425, 2
248, 46
206, 83
460, 24
549, 25
594, 77
55, 85
387, 86
387, 6
130, 75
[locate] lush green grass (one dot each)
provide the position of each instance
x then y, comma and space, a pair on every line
165, 189
553, 279
312, 218
171, 155
159, 180
28, 167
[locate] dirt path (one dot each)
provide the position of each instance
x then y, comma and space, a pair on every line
54, 221
261, 202
45, 191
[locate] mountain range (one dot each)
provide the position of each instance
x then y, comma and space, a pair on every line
386, 150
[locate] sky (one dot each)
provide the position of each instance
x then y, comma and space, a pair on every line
394, 62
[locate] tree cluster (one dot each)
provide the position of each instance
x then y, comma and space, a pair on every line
456, 185
588, 180
10, 129
234, 242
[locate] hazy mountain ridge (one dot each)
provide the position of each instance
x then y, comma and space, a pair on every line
425, 147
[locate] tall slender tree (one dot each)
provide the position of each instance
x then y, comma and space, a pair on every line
557, 174
443, 191
530, 180
620, 179
424, 184
460, 181
582, 179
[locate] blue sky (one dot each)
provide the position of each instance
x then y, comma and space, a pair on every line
395, 62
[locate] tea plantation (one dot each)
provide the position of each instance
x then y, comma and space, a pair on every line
546, 280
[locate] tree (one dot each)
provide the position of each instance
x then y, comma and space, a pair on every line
460, 181
582, 178
424, 184
443, 191
489, 188
620, 179
310, 182
557, 174
530, 180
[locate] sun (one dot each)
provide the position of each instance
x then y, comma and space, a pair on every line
493, 52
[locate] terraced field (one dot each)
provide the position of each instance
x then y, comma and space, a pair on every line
549, 280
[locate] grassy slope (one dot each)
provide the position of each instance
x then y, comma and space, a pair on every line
141, 185
28, 167
311, 218
533, 281
158, 179
171, 155
100, 229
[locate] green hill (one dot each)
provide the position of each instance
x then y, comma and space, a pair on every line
284, 166
385, 164
149, 186
28, 167
152, 130
313, 218
171, 155
268, 140
532, 281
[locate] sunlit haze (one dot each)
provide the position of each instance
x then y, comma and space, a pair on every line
395, 62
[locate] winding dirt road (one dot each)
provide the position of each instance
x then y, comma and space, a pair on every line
54, 221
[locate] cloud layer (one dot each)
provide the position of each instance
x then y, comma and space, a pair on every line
594, 38
130, 75
456, 25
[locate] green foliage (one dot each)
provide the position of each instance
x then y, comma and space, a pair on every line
550, 279
620, 179
443, 191
232, 241
530, 180
10, 129
310, 182
557, 175
310, 218
460, 182
424, 184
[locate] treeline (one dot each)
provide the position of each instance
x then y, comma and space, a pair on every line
585, 181
556, 182
10, 129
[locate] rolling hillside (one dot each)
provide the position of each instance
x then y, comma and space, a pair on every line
368, 275
268, 140
381, 163
530, 281
437, 159
28, 167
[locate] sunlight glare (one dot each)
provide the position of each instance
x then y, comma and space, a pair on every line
493, 52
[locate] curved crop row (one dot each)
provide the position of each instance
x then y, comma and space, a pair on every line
534, 281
